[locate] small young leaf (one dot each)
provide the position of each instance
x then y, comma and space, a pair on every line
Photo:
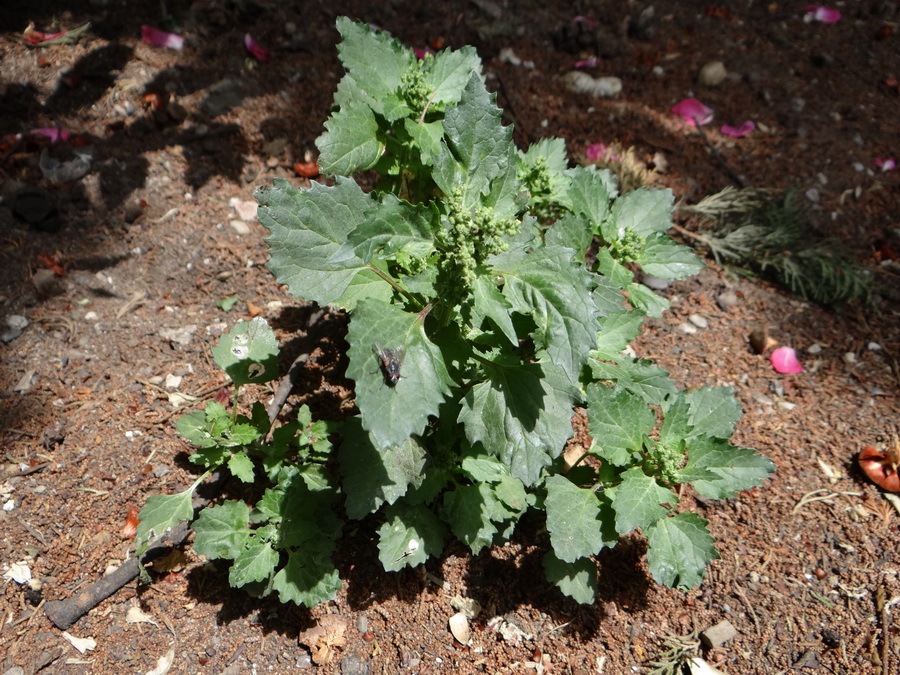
680, 548
577, 579
489, 302
484, 469
308, 578
256, 562
351, 142
618, 421
410, 536
449, 72
522, 415
241, 467
579, 522
612, 270
249, 353
222, 531
646, 300
571, 232
392, 412
638, 501
644, 211
736, 468
468, 509
162, 512
588, 198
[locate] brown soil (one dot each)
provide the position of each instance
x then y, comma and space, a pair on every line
809, 563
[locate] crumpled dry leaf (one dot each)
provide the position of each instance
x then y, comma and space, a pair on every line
136, 615
164, 663
324, 638
173, 561
81, 644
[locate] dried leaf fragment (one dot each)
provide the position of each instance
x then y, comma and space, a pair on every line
324, 638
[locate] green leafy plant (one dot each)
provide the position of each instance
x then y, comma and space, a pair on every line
491, 296
769, 232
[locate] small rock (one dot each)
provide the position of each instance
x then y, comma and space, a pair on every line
761, 398
245, 209
727, 299
699, 321
26, 382
598, 87
712, 74
873, 347
239, 226
718, 635
814, 349
459, 627
181, 335
16, 324
687, 328
46, 283
813, 195
655, 283
786, 405
850, 358
777, 387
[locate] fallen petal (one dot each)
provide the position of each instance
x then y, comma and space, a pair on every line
823, 14
584, 19
154, 36
422, 53
738, 132
57, 135
599, 151
255, 50
784, 360
587, 63
693, 112
886, 163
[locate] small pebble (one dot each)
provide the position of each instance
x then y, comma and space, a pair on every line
786, 405
718, 635
712, 74
727, 299
239, 226
813, 195
776, 387
687, 328
656, 283
873, 347
859, 167
850, 357
698, 321
814, 349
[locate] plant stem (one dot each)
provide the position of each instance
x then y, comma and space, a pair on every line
396, 286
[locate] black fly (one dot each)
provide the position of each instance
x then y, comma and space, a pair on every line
391, 359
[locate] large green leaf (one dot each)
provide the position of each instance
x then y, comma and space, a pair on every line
619, 423
308, 227
680, 548
373, 477
222, 531
638, 501
470, 509
392, 412
639, 376
309, 578
580, 523
161, 513
350, 142
391, 225
644, 211
714, 411
476, 148
736, 468
256, 562
616, 331
556, 292
577, 579
521, 414
663, 258
448, 72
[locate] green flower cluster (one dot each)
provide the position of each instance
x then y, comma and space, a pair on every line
627, 248
415, 90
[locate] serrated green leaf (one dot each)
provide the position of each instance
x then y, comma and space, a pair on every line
570, 232
307, 516
646, 300
552, 153
644, 211
556, 292
162, 512
619, 422
735, 468
373, 477
484, 469
249, 353
476, 147
512, 493
392, 413
193, 427
663, 258
639, 376
377, 62
391, 225
638, 501
588, 197
676, 425
241, 467
307, 228
448, 72
714, 411
577, 579
679, 550
222, 531
614, 271
410, 536
426, 136
580, 523
489, 302
256, 562
608, 297
521, 414
468, 509
309, 578
616, 331
351, 142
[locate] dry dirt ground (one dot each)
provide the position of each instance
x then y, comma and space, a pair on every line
120, 286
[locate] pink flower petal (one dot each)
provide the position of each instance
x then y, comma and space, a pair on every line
886, 163
693, 112
599, 151
823, 14
738, 132
587, 63
55, 135
422, 53
784, 360
255, 50
154, 36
